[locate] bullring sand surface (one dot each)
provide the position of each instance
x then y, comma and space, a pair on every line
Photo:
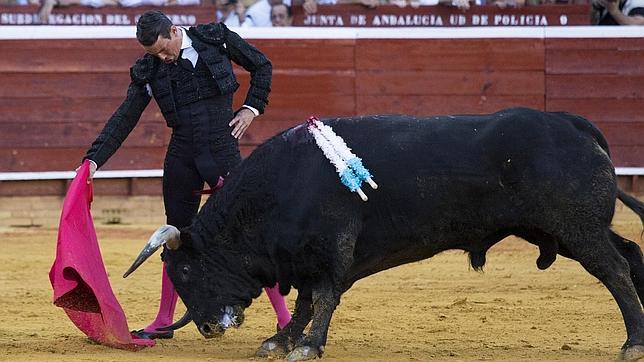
438, 309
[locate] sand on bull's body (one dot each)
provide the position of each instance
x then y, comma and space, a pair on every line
437, 309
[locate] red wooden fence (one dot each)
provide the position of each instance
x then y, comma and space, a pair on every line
56, 94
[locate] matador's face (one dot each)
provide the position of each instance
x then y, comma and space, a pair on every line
167, 49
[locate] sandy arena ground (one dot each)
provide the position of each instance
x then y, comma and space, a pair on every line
438, 309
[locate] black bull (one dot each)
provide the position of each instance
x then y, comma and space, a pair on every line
454, 182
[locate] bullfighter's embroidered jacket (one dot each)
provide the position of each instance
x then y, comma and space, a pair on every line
212, 82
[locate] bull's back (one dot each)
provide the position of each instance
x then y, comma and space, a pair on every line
474, 154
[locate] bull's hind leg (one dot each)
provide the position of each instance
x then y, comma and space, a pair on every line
633, 254
285, 339
597, 254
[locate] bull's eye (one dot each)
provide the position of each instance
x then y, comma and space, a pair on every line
185, 272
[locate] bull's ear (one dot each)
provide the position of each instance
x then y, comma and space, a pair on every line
187, 239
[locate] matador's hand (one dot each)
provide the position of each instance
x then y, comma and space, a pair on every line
241, 121
92, 170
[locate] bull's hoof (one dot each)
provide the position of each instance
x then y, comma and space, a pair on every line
271, 349
632, 353
303, 353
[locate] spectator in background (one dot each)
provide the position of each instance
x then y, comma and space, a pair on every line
245, 4
628, 12
281, 15
259, 14
228, 12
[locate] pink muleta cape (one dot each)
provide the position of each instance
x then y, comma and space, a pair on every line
78, 275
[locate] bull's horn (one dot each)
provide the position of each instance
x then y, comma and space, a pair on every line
165, 234
178, 324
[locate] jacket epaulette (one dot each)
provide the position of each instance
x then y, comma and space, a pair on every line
213, 33
144, 68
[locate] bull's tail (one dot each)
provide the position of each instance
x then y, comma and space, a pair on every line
632, 203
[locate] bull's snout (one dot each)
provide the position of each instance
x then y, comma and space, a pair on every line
211, 330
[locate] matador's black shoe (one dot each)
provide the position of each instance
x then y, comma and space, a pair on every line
142, 334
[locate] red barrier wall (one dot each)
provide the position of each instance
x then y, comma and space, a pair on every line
57, 94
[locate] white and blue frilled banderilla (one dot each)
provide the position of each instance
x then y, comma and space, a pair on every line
349, 166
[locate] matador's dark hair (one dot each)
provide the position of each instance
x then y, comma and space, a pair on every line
150, 25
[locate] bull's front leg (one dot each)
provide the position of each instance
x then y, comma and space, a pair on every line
286, 338
325, 300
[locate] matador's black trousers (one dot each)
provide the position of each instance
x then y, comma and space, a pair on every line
201, 149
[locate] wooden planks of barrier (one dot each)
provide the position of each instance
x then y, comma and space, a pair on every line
57, 94
605, 89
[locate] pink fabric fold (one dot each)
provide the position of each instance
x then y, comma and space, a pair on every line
78, 275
